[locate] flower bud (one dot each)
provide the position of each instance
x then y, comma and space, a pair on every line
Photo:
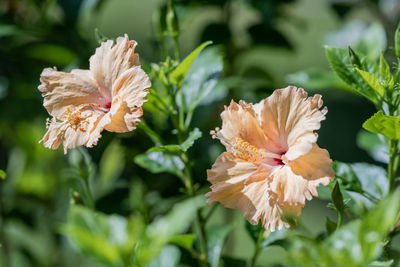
172, 20
354, 58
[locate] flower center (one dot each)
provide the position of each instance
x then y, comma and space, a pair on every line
76, 116
242, 149
108, 105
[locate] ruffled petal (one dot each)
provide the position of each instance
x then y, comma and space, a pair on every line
227, 176
240, 121
129, 92
111, 60
61, 89
264, 206
289, 119
79, 125
313, 165
292, 189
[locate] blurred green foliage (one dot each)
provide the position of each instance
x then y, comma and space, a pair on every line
141, 217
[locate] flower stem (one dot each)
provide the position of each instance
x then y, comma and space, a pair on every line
260, 238
393, 163
340, 218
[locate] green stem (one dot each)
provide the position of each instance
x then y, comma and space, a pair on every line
260, 238
340, 218
152, 134
177, 50
393, 163
203, 239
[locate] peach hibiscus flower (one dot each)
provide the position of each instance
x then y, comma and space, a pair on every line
272, 163
108, 96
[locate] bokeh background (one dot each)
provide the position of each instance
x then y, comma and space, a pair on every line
267, 44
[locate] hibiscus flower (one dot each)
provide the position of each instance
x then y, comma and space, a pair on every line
108, 96
272, 163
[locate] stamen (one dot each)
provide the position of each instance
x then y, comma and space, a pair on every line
242, 149
76, 117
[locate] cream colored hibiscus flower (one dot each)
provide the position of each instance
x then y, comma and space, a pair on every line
108, 96
272, 164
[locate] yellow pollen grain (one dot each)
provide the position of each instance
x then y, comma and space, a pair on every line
244, 150
75, 118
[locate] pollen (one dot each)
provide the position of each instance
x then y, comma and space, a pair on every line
238, 147
77, 117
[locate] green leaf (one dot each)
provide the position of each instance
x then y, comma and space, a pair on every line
188, 143
397, 41
158, 162
381, 263
330, 226
166, 148
193, 136
160, 231
359, 179
379, 123
201, 80
373, 81
340, 62
274, 238
2, 175
216, 236
169, 257
374, 144
366, 235
96, 234
111, 166
358, 243
355, 60
178, 74
384, 69
185, 241
337, 198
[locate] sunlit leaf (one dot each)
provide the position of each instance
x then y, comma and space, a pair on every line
178, 74
340, 62
384, 69
373, 81
185, 241
2, 175
379, 123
